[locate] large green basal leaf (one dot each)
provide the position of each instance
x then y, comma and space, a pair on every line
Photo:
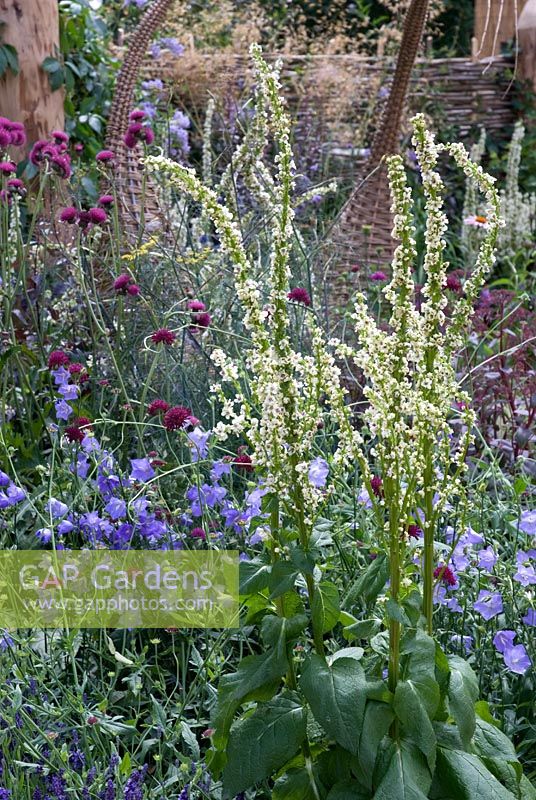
463, 776
261, 743
402, 773
337, 695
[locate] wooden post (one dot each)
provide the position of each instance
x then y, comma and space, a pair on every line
32, 27
495, 24
527, 43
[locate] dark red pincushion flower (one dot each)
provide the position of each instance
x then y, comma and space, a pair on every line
198, 533
164, 336
60, 137
97, 216
57, 359
376, 484
446, 575
69, 214
18, 134
201, 320
76, 367
122, 282
414, 532
77, 431
454, 283
175, 418
157, 406
196, 305
106, 157
129, 140
299, 295
243, 461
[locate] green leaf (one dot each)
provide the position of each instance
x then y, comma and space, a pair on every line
396, 612
363, 629
463, 776
420, 668
325, 607
376, 723
461, 707
469, 678
370, 584
282, 578
348, 790
409, 709
261, 743
296, 784
490, 741
253, 576
257, 677
189, 738
402, 773
12, 58
51, 65
337, 695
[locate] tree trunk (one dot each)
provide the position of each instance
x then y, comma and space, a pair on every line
527, 43
495, 24
32, 27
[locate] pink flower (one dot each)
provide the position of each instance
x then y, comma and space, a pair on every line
133, 290
196, 305
201, 320
175, 418
106, 200
299, 295
69, 214
57, 358
60, 137
156, 407
130, 140
445, 574
164, 336
378, 276
16, 186
243, 461
105, 157
376, 485
7, 167
137, 115
122, 282
97, 216
198, 533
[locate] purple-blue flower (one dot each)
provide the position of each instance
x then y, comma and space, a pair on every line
56, 508
318, 472
487, 559
5, 480
489, 604
219, 469
13, 495
525, 575
63, 409
517, 659
141, 470
198, 443
116, 507
5, 641
69, 391
530, 617
503, 640
527, 522
44, 535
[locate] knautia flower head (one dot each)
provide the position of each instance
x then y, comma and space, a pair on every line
163, 336
175, 418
